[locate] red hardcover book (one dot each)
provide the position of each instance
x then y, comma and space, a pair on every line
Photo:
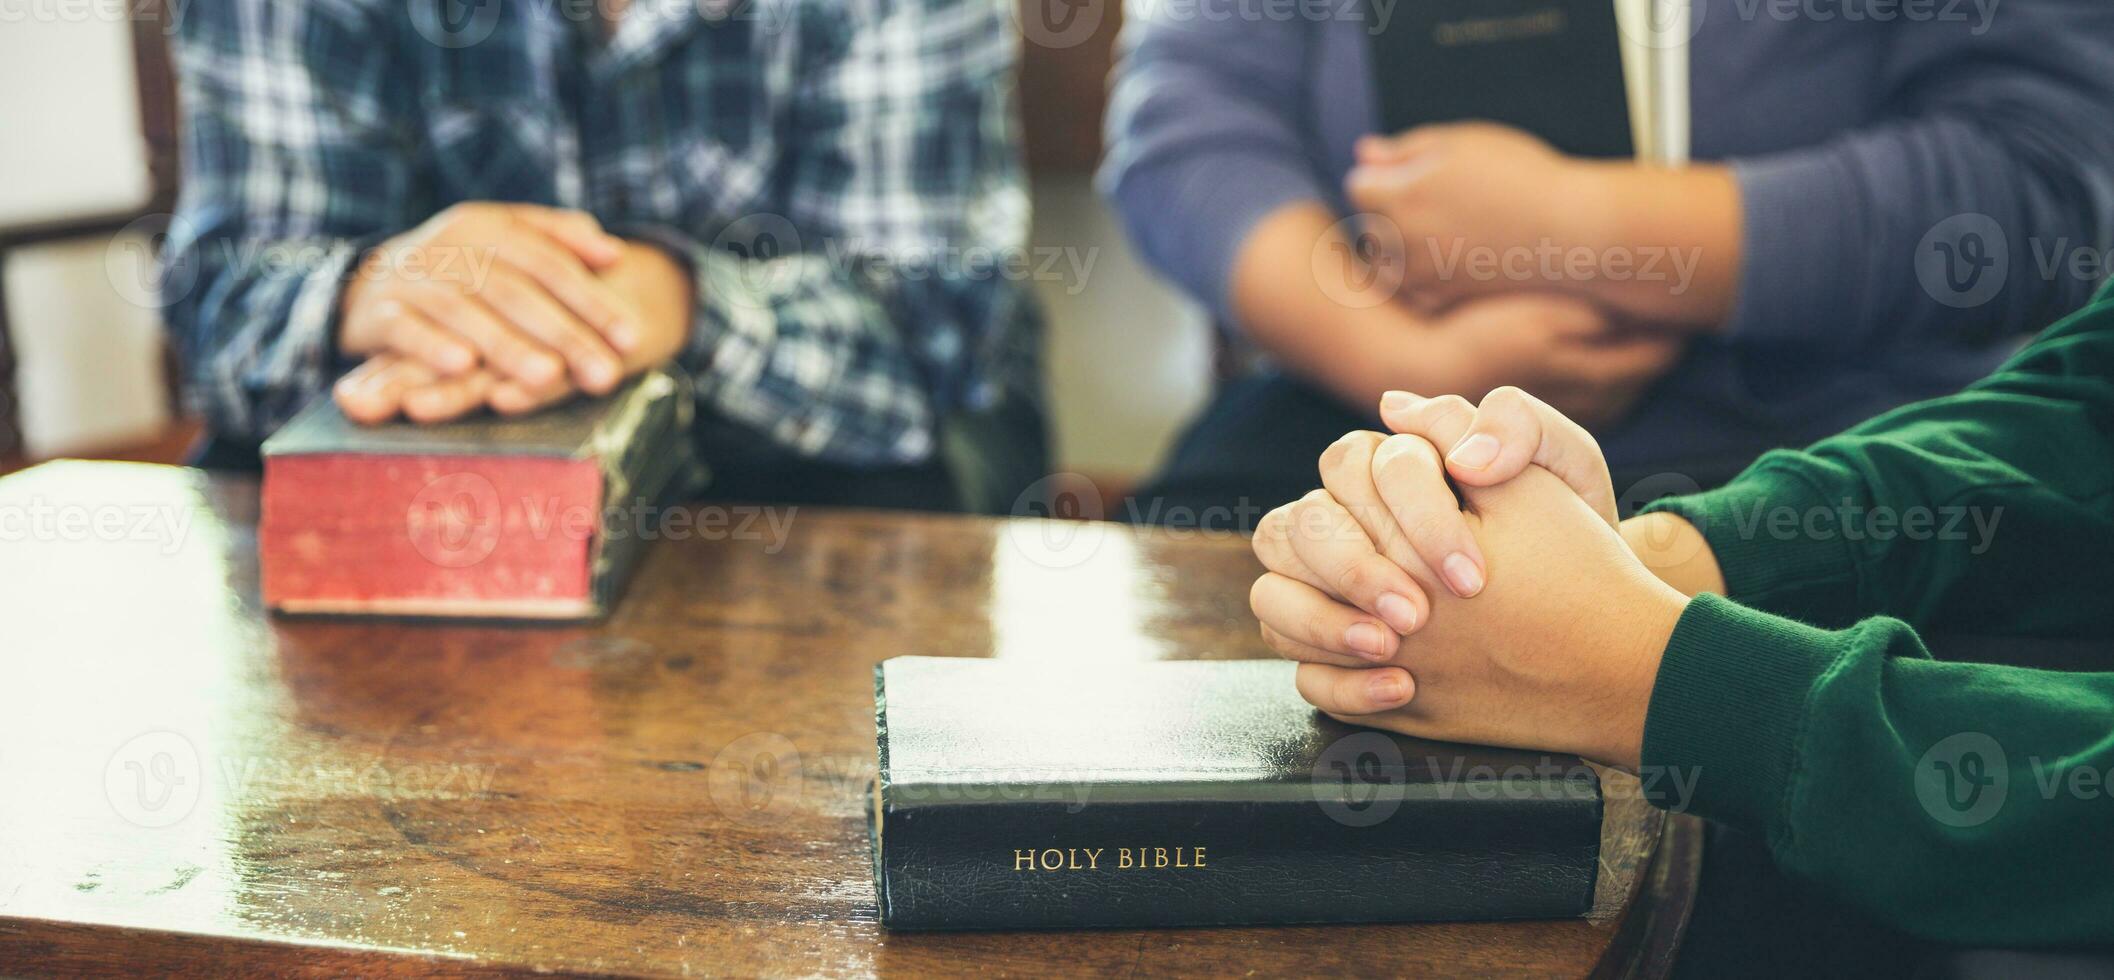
528, 518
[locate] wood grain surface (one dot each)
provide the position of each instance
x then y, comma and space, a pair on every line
190, 785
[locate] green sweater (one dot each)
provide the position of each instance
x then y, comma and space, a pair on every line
1963, 802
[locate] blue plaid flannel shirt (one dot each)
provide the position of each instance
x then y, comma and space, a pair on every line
825, 166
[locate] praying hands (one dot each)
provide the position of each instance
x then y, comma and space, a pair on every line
1520, 613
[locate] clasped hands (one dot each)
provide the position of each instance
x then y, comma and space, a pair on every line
1515, 615
511, 307
1580, 279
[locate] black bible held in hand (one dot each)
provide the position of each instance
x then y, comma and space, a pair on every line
1594, 78
1020, 795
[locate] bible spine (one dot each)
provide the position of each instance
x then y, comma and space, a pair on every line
998, 857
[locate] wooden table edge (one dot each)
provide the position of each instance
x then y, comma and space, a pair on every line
51, 946
1655, 918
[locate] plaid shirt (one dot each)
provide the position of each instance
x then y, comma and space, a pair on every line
822, 165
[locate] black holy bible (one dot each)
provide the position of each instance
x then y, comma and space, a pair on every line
1016, 795
1560, 69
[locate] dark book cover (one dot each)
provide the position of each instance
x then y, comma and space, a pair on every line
1551, 67
535, 517
1016, 795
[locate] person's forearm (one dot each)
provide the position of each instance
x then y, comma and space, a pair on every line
1206, 135
1974, 166
1983, 511
1301, 291
1668, 240
1675, 552
863, 391
256, 347
1957, 801
257, 338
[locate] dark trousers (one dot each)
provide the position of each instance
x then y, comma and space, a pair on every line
1258, 445
746, 468
1254, 447
985, 462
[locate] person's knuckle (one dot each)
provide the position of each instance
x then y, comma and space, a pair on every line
512, 348
396, 331
1277, 557
457, 311
551, 363
1405, 458
1349, 693
1340, 451
539, 264
1411, 446
569, 217
505, 288
1274, 528
1506, 398
598, 310
1314, 629
573, 340
1314, 498
447, 301
570, 342
1390, 468
1429, 529
1358, 577
470, 214
586, 328
1313, 516
1299, 524
1451, 402
373, 295
1443, 407
1347, 521
552, 387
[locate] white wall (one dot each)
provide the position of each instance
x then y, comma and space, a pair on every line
89, 366
88, 350
70, 141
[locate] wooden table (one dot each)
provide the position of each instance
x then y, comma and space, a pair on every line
188, 784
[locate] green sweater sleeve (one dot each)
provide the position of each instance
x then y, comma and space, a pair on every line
1987, 511
1963, 802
